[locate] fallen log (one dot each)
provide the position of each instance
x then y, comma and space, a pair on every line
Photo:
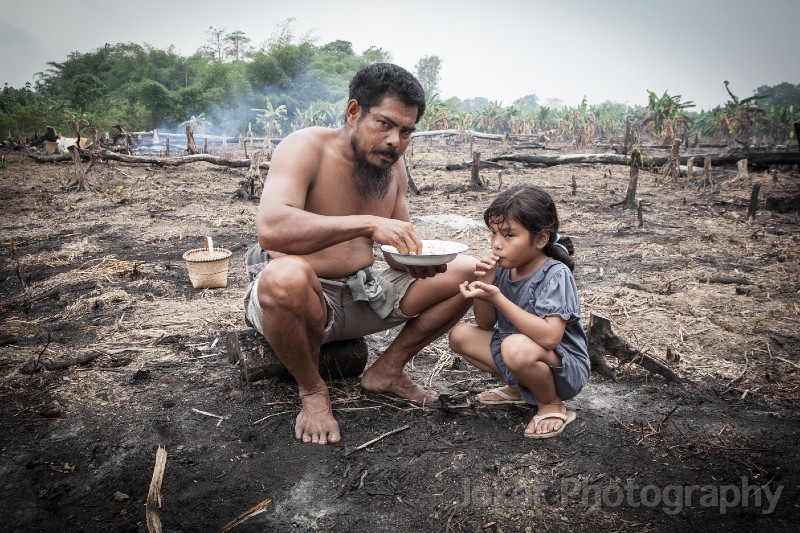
534, 147
337, 360
151, 160
757, 158
603, 340
481, 164
466, 133
725, 280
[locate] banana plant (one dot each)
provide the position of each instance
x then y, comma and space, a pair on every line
742, 116
198, 123
334, 113
270, 118
780, 120
665, 115
308, 117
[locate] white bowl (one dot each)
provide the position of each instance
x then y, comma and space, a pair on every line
433, 253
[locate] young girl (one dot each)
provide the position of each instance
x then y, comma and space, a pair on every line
526, 306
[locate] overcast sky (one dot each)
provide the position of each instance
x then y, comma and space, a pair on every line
499, 49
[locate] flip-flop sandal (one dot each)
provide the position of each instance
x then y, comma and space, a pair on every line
567, 418
504, 397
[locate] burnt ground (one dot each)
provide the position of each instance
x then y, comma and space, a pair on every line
99, 276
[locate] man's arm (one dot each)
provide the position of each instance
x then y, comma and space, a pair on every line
283, 223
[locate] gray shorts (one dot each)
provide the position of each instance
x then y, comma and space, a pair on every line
347, 319
569, 378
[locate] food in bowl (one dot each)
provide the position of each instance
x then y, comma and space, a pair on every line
434, 252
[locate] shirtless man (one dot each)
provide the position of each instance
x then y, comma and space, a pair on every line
330, 195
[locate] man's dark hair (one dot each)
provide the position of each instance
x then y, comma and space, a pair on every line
374, 82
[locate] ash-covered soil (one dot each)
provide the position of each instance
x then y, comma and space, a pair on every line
98, 277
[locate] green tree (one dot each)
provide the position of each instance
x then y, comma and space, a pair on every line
428, 70
473, 105
375, 54
781, 95
236, 45
530, 101
215, 43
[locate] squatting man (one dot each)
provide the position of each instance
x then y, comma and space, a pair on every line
331, 194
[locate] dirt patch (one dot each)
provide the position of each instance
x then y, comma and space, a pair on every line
98, 277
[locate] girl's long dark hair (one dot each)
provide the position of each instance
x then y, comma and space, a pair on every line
534, 209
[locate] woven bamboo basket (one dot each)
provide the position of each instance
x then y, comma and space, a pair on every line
208, 266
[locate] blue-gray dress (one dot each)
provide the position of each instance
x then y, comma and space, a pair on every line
550, 291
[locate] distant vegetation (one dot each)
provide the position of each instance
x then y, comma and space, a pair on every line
230, 87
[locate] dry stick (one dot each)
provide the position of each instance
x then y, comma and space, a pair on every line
269, 416
376, 439
665, 419
39, 357
221, 418
154, 494
253, 511
737, 378
787, 361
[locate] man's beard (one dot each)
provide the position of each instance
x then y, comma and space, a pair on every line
371, 180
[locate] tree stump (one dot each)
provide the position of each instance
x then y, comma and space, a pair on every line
741, 169
706, 172
412, 186
79, 182
475, 177
752, 207
633, 180
603, 340
672, 167
797, 133
191, 148
337, 360
254, 175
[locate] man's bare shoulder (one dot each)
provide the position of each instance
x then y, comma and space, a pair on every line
314, 138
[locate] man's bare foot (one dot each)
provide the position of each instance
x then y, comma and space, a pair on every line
546, 425
398, 385
315, 423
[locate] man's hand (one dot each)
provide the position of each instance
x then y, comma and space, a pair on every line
397, 233
422, 272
